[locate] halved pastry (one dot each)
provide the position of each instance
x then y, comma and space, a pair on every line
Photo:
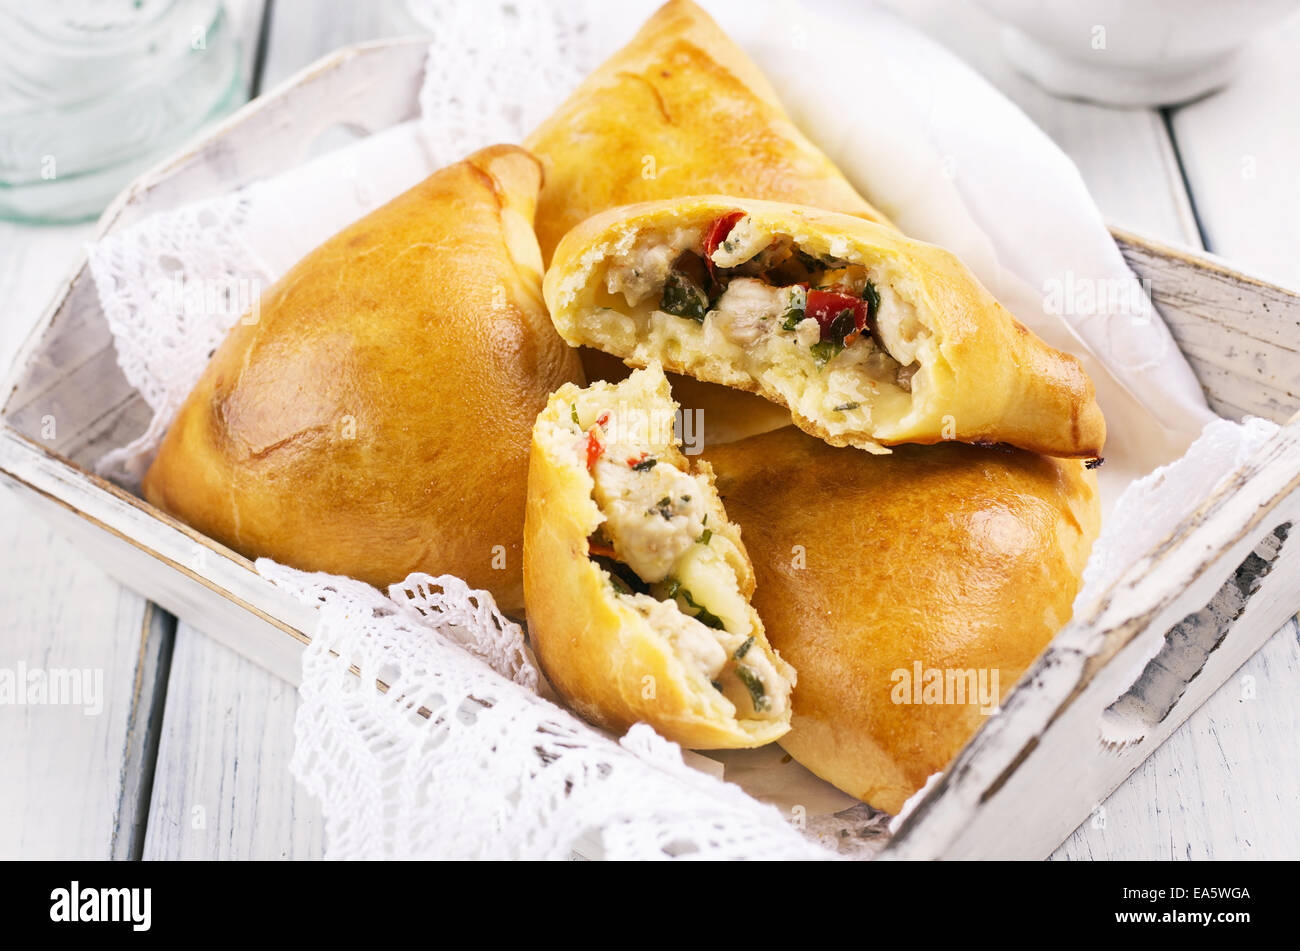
680, 110
870, 339
636, 583
910, 591
374, 419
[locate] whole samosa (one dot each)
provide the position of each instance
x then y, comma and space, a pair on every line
375, 419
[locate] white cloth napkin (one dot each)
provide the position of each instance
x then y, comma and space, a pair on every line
929, 141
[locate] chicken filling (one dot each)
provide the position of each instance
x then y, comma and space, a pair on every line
656, 546
757, 289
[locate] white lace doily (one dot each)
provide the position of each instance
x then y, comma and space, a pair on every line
459, 756
164, 319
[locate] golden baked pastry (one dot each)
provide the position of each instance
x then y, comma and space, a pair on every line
875, 572
870, 338
637, 585
680, 110
375, 418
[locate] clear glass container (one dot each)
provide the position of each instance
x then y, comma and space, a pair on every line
92, 92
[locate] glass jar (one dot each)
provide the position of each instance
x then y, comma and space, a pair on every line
92, 92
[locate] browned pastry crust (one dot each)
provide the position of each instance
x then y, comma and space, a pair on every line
954, 557
375, 419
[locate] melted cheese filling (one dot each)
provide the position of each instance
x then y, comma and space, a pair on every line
747, 329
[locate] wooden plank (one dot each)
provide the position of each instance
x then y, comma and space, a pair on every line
63, 787
148, 695
305, 30
1239, 149
33, 263
1204, 795
222, 788
69, 773
1205, 304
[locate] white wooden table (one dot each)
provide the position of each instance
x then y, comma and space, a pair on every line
188, 758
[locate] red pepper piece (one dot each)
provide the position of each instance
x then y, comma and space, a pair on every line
825, 305
594, 446
596, 548
717, 234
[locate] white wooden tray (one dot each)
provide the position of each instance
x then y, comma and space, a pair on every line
1202, 602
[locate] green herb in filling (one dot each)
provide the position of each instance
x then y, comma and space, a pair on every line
798, 309
757, 693
743, 649
705, 536
573, 411
703, 614
824, 351
646, 464
844, 407
621, 576
872, 297
682, 297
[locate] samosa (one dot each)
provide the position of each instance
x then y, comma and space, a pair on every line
375, 419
